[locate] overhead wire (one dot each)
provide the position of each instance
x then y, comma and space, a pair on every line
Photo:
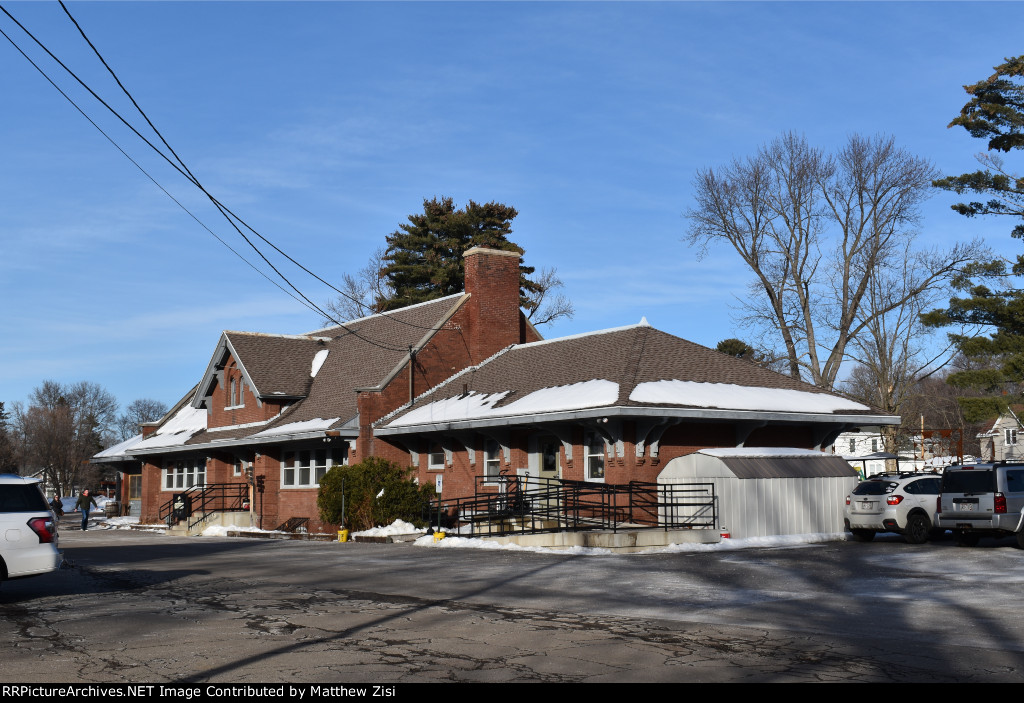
182, 169
185, 171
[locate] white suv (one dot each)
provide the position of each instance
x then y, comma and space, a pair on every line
903, 503
28, 530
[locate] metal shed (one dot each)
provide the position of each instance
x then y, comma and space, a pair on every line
765, 491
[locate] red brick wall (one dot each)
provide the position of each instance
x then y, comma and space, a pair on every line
492, 281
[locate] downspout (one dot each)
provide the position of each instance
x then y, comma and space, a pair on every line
412, 367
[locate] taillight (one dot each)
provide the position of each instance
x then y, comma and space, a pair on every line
894, 500
43, 527
938, 504
999, 503
847, 500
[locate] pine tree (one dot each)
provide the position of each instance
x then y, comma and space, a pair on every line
994, 112
424, 260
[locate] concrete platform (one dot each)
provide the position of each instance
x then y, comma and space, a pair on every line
621, 541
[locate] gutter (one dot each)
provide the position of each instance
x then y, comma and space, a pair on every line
626, 412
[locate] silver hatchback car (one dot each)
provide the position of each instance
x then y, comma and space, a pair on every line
903, 503
28, 530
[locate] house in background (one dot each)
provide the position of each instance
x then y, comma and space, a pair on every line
1004, 438
465, 391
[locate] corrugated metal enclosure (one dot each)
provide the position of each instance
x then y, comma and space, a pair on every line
764, 491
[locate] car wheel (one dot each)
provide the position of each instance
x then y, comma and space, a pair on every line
966, 539
1020, 540
918, 529
863, 535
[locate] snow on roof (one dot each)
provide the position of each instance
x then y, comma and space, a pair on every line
576, 396
120, 449
729, 396
318, 361
296, 427
760, 452
178, 430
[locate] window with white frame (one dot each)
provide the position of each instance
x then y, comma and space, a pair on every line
874, 445
1010, 435
306, 468
853, 446
435, 457
492, 461
240, 465
594, 456
184, 473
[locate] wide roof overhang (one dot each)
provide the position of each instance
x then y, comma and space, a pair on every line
630, 412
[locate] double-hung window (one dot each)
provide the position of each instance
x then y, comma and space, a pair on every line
306, 468
1010, 435
184, 473
594, 456
492, 461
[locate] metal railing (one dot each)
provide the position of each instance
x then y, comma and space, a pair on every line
203, 501
527, 504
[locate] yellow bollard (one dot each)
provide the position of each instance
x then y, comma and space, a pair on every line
343, 535
438, 536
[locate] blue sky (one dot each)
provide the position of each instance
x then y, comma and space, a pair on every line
326, 124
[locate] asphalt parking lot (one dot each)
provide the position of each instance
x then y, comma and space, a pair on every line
143, 608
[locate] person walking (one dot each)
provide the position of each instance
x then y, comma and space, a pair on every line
85, 503
57, 506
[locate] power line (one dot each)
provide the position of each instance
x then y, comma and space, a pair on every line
183, 170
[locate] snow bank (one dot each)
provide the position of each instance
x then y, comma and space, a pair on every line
723, 546
398, 527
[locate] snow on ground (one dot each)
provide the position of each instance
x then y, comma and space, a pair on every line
222, 531
398, 527
723, 546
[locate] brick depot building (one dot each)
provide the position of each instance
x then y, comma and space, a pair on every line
464, 389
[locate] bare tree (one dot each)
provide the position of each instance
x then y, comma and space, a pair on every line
8, 447
545, 303
369, 291
363, 293
63, 426
137, 412
820, 233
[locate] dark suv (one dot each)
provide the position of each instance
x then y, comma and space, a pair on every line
28, 531
981, 500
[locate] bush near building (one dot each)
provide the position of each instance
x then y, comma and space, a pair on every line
376, 492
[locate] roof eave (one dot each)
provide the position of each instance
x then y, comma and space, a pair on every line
622, 412
342, 433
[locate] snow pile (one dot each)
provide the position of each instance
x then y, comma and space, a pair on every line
725, 545
575, 396
222, 530
729, 396
117, 523
398, 527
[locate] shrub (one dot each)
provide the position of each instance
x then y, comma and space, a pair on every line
365, 505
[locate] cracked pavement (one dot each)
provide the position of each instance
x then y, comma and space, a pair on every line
144, 608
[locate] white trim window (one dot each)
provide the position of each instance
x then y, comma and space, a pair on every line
306, 468
1010, 436
240, 465
435, 457
492, 461
184, 473
593, 456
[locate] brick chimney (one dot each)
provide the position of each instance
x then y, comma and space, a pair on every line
492, 281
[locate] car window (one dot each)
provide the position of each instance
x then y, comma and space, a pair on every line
1014, 480
22, 498
971, 481
874, 488
924, 486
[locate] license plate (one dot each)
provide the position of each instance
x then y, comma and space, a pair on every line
964, 507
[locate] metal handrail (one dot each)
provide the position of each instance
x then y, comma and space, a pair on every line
526, 504
207, 499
